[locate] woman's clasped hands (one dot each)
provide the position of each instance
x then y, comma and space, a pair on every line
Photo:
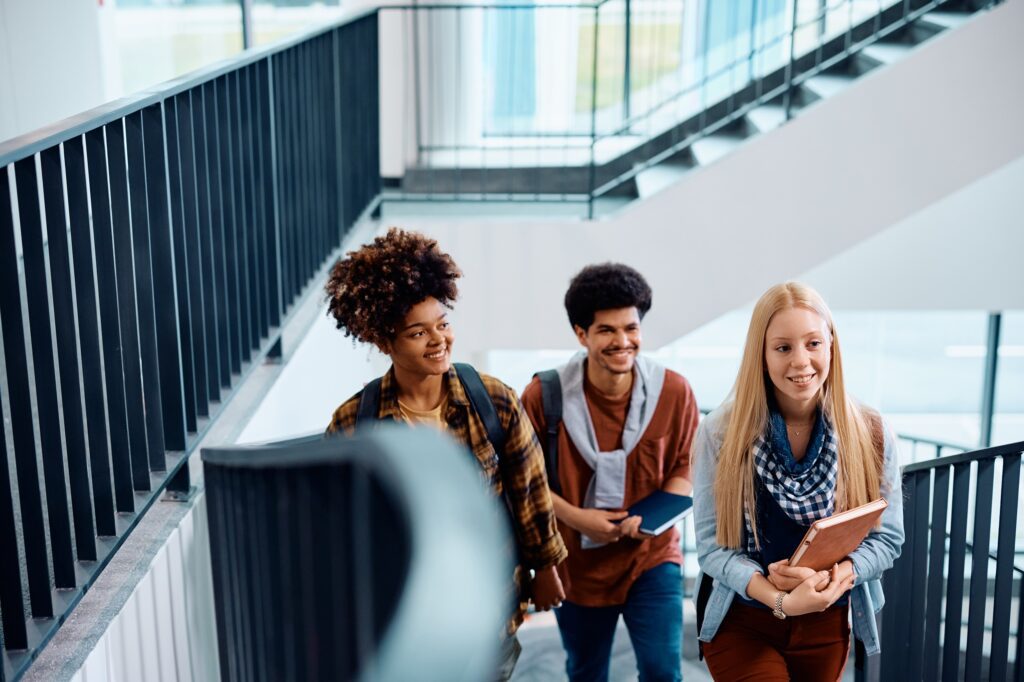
810, 591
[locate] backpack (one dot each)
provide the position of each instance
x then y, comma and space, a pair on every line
481, 403
479, 400
551, 403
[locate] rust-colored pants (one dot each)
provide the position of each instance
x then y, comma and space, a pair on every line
752, 644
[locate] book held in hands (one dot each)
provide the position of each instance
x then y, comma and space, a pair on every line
660, 510
830, 540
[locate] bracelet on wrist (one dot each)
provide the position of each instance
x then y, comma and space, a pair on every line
777, 611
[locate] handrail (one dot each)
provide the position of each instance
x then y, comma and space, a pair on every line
932, 441
993, 557
965, 457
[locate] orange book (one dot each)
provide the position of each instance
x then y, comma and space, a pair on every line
829, 541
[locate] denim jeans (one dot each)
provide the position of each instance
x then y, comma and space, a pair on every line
653, 613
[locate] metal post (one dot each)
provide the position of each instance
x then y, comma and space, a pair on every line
274, 355
754, 51
593, 113
628, 65
988, 395
246, 6
179, 487
788, 96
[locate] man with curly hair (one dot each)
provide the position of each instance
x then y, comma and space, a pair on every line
626, 428
395, 293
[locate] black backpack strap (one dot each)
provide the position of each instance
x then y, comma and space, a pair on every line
707, 584
482, 404
369, 403
551, 397
480, 401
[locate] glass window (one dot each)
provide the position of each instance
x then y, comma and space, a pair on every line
924, 370
157, 40
274, 20
1008, 424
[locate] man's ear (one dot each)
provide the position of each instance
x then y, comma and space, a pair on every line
581, 334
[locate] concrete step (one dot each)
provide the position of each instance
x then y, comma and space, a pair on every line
712, 147
946, 20
886, 53
826, 85
767, 117
652, 180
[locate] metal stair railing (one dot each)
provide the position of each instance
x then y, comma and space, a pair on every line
925, 590
166, 238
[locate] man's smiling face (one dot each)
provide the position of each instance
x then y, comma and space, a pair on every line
612, 340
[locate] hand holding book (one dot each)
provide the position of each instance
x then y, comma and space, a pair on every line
786, 578
820, 590
659, 511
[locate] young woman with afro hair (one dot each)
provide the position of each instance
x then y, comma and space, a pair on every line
395, 293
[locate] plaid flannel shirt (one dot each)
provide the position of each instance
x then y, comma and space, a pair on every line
537, 539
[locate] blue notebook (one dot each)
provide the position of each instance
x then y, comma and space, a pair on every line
660, 511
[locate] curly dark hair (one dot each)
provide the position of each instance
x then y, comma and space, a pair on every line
372, 289
605, 286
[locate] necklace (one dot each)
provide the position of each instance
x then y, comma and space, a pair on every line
803, 428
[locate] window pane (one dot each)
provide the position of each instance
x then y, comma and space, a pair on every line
274, 20
1008, 425
157, 40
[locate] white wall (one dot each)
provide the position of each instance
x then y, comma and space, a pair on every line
898, 141
166, 630
961, 253
51, 62
324, 372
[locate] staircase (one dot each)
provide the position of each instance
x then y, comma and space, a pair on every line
760, 106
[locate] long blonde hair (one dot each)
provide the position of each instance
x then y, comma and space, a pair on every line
858, 477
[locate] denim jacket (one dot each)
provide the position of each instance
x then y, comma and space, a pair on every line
732, 569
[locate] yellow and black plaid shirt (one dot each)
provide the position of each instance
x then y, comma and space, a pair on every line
537, 539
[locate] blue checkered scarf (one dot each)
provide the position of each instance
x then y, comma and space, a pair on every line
805, 490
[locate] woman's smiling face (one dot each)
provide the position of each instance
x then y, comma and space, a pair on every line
797, 354
423, 345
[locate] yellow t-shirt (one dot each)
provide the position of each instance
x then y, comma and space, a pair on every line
434, 418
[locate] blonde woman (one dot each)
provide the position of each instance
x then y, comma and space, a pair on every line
788, 448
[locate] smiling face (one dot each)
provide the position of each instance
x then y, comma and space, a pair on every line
423, 344
797, 354
612, 340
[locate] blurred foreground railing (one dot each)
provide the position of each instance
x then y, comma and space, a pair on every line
377, 557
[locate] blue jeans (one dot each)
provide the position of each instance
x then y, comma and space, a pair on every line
653, 613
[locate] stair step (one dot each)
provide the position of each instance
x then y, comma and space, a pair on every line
886, 53
858, 65
652, 180
946, 19
827, 85
767, 117
713, 147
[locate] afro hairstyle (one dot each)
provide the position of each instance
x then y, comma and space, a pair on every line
372, 289
605, 286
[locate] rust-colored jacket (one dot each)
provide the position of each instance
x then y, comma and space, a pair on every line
603, 576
